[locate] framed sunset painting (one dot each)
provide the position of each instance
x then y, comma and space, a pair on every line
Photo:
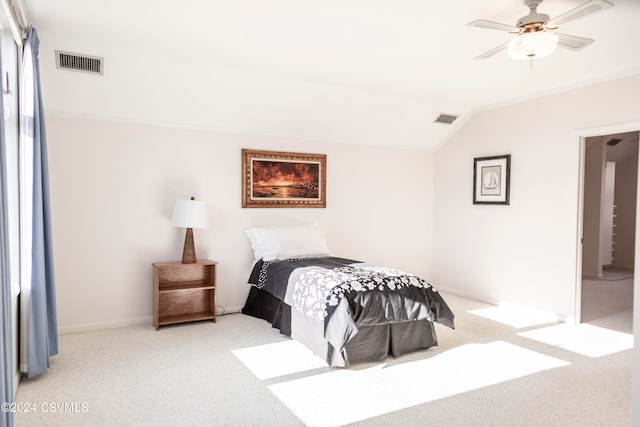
277, 179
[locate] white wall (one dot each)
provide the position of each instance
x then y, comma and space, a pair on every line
625, 200
595, 157
524, 253
113, 186
124, 146
151, 87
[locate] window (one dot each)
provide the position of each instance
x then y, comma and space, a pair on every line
9, 74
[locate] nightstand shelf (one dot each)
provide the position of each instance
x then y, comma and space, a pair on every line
193, 317
172, 287
183, 292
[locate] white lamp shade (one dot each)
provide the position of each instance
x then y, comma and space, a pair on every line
533, 45
190, 214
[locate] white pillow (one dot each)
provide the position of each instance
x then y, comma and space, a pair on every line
288, 242
254, 237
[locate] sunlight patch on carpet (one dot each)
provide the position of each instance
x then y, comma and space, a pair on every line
346, 395
588, 340
277, 359
516, 316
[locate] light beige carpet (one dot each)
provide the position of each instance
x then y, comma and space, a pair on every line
502, 366
609, 301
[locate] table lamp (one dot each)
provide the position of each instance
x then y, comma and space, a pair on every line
190, 214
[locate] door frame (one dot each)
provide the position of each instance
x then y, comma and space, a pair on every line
583, 134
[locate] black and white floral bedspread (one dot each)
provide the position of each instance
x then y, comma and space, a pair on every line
317, 291
345, 294
273, 276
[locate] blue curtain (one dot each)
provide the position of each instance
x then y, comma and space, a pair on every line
42, 341
6, 360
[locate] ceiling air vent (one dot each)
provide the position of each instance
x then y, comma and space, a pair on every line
614, 141
78, 62
446, 118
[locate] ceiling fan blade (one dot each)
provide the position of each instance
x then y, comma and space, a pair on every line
584, 9
483, 23
573, 42
492, 52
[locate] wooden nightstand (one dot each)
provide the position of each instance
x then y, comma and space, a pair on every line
183, 292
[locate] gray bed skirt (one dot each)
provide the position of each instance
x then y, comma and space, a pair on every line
371, 343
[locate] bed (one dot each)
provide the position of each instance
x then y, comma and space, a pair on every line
344, 310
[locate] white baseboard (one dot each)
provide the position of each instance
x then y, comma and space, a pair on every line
560, 317
89, 327
467, 296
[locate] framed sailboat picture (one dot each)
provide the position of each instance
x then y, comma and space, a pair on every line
491, 180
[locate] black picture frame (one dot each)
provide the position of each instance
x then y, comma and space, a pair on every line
491, 180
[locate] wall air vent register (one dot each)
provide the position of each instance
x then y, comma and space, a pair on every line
446, 118
79, 62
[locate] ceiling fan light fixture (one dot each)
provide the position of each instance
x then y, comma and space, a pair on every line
533, 45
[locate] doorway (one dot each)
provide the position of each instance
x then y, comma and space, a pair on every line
609, 202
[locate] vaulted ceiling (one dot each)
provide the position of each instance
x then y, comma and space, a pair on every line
375, 71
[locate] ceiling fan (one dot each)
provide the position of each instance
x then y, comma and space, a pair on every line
535, 32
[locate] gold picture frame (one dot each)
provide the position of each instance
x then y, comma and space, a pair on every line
278, 179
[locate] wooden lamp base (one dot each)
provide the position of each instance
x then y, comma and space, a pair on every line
189, 251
